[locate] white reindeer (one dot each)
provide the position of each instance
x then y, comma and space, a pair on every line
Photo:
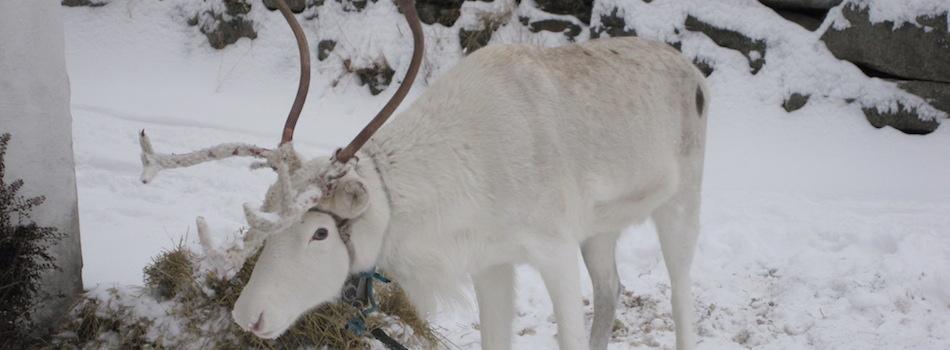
517, 155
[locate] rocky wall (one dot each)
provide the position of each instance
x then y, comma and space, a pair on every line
915, 55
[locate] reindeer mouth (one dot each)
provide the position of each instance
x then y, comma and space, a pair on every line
265, 325
268, 334
272, 334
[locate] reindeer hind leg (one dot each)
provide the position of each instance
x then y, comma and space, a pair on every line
599, 256
677, 223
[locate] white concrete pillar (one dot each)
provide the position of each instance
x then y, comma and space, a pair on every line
34, 108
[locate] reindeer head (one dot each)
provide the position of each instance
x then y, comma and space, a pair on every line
321, 221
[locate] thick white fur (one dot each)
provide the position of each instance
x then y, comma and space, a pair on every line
517, 155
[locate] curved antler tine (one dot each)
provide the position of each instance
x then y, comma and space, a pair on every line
212, 254
408, 8
304, 84
204, 238
150, 167
153, 163
253, 240
145, 143
217, 260
226, 264
261, 220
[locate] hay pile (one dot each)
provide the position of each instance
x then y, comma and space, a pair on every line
182, 306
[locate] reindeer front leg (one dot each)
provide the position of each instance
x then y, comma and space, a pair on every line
557, 264
495, 291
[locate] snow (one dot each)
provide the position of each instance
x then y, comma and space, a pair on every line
819, 231
899, 12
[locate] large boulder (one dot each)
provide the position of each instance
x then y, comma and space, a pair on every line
909, 51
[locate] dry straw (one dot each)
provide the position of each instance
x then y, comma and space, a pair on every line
200, 302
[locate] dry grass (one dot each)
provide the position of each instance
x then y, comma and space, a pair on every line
171, 273
97, 323
200, 305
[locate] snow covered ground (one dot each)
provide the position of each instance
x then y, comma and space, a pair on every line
819, 231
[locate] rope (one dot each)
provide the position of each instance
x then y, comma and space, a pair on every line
384, 338
358, 292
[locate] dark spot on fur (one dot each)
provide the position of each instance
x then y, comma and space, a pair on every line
615, 52
700, 101
587, 53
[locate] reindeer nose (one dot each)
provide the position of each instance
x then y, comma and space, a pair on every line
259, 324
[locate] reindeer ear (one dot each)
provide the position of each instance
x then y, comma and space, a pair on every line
349, 198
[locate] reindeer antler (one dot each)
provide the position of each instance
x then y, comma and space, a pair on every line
284, 160
304, 85
153, 163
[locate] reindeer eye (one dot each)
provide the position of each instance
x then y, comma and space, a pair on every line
320, 234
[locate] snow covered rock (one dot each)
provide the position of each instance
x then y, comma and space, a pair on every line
906, 119
801, 4
795, 102
752, 49
377, 77
324, 48
726, 35
296, 6
901, 118
577, 8
912, 51
613, 25
444, 12
937, 94
472, 40
90, 3
227, 26
565, 27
